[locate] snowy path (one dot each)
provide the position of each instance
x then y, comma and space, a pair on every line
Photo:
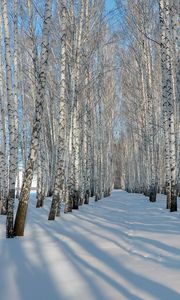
122, 247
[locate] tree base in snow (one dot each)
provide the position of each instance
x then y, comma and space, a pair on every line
152, 194
20, 219
173, 206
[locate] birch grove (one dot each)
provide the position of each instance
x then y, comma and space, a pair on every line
150, 99
55, 128
89, 101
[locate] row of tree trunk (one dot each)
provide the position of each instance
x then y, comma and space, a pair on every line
57, 106
150, 78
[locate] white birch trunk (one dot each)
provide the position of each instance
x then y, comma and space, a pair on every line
12, 126
28, 176
60, 169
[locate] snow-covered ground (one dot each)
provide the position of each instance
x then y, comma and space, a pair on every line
118, 248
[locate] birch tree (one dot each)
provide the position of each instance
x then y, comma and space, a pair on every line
60, 168
12, 112
41, 82
168, 97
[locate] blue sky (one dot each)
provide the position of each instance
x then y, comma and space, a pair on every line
110, 4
